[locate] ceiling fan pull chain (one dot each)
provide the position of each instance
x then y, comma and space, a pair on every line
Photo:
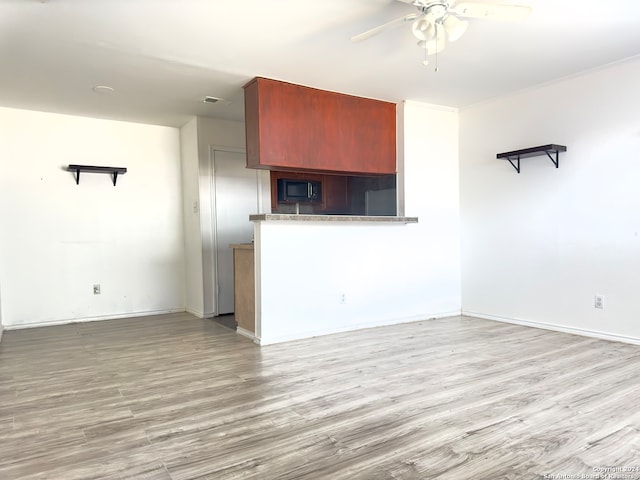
437, 45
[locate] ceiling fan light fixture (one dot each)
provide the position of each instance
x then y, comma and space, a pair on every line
435, 44
423, 29
454, 27
431, 46
439, 21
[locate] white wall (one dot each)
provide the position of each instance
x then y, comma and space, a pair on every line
388, 273
191, 215
59, 238
537, 246
432, 193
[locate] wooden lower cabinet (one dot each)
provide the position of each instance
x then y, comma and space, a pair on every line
244, 287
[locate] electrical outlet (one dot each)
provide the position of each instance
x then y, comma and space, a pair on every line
96, 289
343, 298
598, 301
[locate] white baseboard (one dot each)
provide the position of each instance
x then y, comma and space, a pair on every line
357, 326
94, 319
557, 328
247, 333
411, 319
195, 313
1, 330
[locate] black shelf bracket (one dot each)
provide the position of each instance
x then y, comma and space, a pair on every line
551, 150
114, 171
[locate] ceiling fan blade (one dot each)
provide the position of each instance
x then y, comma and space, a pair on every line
393, 23
491, 11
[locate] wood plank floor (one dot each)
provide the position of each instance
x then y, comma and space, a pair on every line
175, 397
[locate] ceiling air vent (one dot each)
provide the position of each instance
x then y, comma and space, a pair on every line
208, 99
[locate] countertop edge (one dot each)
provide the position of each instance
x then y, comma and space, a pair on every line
268, 217
242, 246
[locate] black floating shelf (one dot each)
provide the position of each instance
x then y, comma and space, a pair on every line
114, 171
515, 156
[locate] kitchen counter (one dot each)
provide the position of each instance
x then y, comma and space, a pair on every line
330, 218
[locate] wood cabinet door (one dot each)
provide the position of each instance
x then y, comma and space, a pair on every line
244, 289
294, 127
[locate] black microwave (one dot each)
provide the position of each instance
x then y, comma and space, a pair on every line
299, 190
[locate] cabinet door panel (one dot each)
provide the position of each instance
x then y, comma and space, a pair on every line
302, 128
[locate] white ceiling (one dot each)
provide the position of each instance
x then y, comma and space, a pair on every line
163, 56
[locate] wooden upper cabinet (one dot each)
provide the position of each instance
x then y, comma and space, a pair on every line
300, 128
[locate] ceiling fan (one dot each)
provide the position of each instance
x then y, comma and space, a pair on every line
437, 19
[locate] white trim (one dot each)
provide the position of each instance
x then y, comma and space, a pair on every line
94, 319
196, 313
207, 235
213, 264
557, 328
208, 230
1, 330
247, 333
257, 280
359, 326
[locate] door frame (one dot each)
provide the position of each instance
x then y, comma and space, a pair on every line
208, 229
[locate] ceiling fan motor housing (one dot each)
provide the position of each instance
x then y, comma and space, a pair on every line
436, 10
425, 28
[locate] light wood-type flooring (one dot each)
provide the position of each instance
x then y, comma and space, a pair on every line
175, 397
